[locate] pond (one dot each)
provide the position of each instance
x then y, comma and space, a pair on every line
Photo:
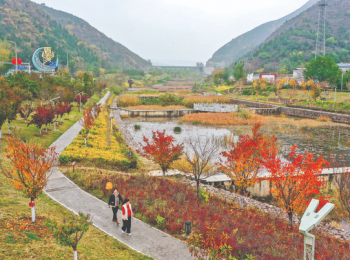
318, 140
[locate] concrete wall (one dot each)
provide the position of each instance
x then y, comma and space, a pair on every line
156, 113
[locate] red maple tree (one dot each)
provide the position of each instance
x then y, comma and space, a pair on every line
39, 118
63, 108
244, 161
68, 108
82, 98
162, 150
295, 180
30, 164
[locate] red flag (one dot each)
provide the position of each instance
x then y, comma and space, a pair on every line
19, 61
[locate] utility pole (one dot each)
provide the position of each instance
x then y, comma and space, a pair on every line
16, 55
321, 30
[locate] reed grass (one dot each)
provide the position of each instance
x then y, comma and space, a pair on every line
222, 119
324, 119
128, 100
189, 101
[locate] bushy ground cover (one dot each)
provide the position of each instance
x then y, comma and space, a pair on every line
189, 101
168, 204
105, 147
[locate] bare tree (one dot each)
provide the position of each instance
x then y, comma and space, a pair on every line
342, 181
199, 157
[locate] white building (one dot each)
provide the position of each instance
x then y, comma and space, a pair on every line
344, 66
252, 76
298, 74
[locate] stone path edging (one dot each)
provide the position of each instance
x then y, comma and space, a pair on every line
144, 239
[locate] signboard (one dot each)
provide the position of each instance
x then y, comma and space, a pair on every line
53, 64
19, 61
19, 67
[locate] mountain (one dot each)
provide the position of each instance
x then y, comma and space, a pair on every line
111, 50
246, 42
32, 26
293, 44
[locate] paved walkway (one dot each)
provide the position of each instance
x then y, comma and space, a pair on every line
144, 238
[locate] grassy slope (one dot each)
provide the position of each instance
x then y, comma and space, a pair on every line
35, 241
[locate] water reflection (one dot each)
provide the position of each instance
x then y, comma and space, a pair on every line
317, 140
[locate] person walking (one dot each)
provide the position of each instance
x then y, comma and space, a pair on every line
115, 200
127, 215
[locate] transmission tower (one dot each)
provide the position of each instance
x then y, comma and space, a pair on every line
321, 30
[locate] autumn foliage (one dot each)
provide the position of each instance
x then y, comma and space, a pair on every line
43, 115
30, 165
82, 98
162, 150
217, 223
295, 180
243, 162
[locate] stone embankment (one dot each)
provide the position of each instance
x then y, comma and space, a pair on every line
128, 138
268, 109
338, 233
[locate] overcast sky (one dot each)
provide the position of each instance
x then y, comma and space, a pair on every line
180, 32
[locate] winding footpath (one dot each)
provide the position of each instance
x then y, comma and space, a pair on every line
144, 239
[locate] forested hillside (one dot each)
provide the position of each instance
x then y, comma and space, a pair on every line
110, 50
294, 42
30, 27
246, 42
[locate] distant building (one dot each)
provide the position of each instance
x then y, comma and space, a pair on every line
43, 4
284, 76
252, 76
344, 66
268, 76
200, 66
298, 74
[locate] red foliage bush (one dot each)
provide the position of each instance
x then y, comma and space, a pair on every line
246, 231
83, 98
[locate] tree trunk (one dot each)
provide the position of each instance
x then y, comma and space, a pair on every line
0, 133
9, 128
33, 211
163, 175
197, 187
40, 131
85, 143
46, 128
290, 216
75, 254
